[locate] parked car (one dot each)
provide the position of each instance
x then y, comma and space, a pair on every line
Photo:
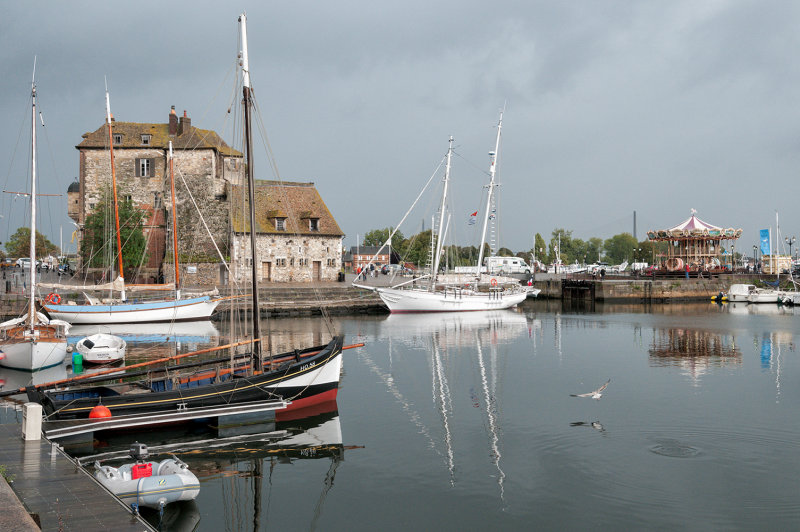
7, 263
25, 262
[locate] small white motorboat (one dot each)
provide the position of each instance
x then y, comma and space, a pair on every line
150, 484
101, 348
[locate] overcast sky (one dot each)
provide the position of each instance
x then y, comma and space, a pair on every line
611, 107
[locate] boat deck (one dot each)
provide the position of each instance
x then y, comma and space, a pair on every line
75, 427
61, 494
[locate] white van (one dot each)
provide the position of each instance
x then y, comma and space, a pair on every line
506, 265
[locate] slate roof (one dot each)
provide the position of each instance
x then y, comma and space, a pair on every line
132, 132
295, 202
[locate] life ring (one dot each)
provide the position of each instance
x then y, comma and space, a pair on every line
493, 282
54, 299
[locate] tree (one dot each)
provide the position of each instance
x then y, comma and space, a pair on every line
19, 244
563, 238
620, 248
378, 237
540, 248
99, 232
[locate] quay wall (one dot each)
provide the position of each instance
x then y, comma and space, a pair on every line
660, 290
277, 300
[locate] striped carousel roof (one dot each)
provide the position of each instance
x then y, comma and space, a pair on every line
695, 228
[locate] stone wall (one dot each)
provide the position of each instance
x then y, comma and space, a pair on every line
197, 172
204, 172
289, 258
206, 275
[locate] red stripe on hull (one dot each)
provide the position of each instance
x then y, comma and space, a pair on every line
320, 403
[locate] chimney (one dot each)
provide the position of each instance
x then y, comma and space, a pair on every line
185, 125
173, 122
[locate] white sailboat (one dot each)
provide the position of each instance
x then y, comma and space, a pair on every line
33, 341
482, 292
95, 312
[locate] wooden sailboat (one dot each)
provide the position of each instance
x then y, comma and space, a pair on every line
301, 377
122, 310
33, 342
475, 295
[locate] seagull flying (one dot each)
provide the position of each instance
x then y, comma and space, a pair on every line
597, 394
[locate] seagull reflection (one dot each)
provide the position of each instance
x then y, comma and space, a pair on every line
593, 424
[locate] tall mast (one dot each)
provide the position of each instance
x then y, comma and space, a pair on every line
174, 222
492, 184
114, 190
440, 236
250, 191
32, 309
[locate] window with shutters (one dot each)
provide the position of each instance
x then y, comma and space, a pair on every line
144, 167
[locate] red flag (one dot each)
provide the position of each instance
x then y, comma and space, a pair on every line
474, 213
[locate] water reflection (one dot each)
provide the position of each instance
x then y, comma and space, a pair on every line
238, 463
11, 379
196, 332
450, 340
457, 328
765, 309
694, 350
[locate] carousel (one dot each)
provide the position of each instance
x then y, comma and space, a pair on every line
694, 246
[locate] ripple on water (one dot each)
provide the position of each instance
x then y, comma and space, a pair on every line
674, 449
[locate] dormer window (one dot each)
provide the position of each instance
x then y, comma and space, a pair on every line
313, 224
146, 140
280, 224
117, 139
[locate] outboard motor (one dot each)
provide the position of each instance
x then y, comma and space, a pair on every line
139, 452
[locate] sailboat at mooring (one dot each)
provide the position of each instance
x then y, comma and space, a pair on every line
453, 292
33, 341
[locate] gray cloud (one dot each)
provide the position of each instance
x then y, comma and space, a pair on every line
657, 107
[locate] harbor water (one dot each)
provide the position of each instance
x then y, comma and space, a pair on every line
466, 422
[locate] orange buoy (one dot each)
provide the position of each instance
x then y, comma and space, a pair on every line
99, 411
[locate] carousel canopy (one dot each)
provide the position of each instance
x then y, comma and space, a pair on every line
694, 223
695, 228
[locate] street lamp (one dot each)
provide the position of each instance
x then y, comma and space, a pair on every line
755, 248
733, 257
791, 242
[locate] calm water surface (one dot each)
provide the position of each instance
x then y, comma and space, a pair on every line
465, 422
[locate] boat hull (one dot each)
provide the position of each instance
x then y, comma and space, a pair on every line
105, 348
739, 293
22, 352
413, 300
199, 308
299, 377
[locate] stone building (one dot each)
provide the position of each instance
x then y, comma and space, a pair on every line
204, 164
297, 237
